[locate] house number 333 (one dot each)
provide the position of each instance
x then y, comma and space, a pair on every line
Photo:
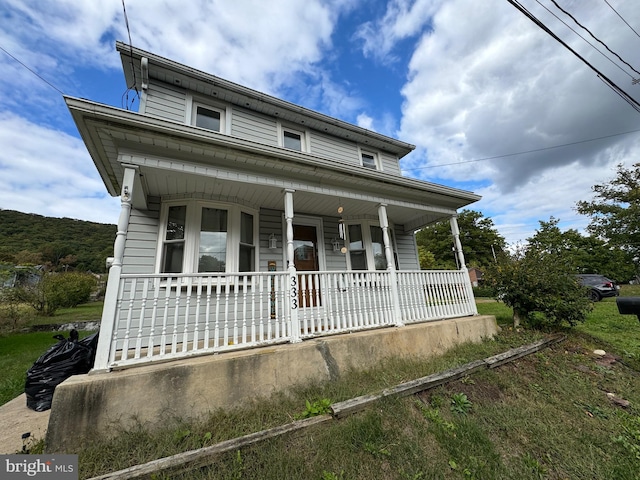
294, 293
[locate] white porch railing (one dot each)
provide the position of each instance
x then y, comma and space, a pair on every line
165, 317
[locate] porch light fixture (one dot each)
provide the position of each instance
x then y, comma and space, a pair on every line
336, 244
273, 242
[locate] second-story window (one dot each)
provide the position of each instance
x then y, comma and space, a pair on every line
369, 160
209, 117
292, 140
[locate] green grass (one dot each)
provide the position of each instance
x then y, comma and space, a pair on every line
546, 415
18, 351
543, 416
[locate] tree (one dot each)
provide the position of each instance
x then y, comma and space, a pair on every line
584, 254
49, 291
479, 238
615, 210
540, 287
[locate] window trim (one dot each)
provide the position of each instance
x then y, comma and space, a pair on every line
193, 102
304, 142
367, 240
376, 159
192, 235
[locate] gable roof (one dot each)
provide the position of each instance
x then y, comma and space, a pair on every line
137, 72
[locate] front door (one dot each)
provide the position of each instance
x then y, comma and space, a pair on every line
305, 256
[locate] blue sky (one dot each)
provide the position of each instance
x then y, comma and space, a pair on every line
472, 84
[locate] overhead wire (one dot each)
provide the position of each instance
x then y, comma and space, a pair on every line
125, 95
624, 95
585, 40
33, 72
593, 36
622, 18
535, 150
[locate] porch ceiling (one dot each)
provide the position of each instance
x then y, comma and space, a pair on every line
175, 159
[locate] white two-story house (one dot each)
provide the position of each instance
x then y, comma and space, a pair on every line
247, 220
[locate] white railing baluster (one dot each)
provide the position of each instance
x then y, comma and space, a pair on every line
176, 316
143, 304
127, 331
154, 317
207, 314
196, 315
187, 314
216, 328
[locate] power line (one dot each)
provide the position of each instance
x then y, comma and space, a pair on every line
125, 95
526, 151
621, 18
34, 72
625, 96
585, 40
593, 36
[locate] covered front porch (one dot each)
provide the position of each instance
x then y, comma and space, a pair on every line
161, 318
161, 315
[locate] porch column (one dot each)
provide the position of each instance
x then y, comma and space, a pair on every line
109, 310
391, 265
463, 267
291, 266
455, 231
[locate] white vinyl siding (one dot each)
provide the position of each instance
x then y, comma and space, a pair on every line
389, 163
333, 148
270, 223
166, 102
140, 246
257, 128
407, 250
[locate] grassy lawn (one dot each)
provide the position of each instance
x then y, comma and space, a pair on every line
546, 415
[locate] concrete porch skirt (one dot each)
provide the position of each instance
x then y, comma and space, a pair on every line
89, 406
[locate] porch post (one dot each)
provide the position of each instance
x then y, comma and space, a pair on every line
463, 266
293, 276
456, 242
109, 311
391, 265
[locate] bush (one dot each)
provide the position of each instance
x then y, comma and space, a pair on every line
540, 287
57, 290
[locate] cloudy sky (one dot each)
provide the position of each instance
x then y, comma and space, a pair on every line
494, 104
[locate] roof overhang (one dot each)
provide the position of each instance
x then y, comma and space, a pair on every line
140, 65
170, 155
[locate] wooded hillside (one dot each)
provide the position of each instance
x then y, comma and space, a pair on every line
61, 243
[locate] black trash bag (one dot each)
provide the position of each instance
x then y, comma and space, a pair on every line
68, 357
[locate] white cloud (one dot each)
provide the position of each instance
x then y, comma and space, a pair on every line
486, 82
50, 172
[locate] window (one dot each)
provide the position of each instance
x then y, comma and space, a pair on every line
209, 117
369, 160
292, 139
201, 237
366, 247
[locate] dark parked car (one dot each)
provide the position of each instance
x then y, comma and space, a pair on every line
599, 286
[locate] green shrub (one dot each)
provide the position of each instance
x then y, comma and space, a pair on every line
540, 288
57, 290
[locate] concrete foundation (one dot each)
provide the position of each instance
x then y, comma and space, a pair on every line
88, 406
